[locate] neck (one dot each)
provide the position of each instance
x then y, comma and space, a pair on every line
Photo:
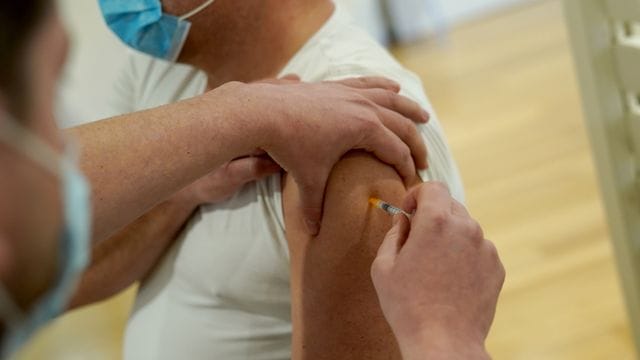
264, 49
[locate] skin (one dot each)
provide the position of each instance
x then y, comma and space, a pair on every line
267, 114
335, 309
114, 178
227, 37
175, 156
107, 277
223, 28
438, 278
25, 229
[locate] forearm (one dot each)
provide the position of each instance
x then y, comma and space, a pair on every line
132, 253
136, 161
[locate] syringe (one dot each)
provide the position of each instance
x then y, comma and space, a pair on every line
388, 208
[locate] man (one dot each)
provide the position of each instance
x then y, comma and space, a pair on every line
224, 289
45, 210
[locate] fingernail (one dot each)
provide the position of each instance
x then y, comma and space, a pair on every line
396, 220
313, 227
425, 116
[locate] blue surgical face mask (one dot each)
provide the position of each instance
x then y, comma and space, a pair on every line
74, 242
142, 25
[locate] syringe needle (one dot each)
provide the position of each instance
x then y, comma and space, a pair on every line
388, 208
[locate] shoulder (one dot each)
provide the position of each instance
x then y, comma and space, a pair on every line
340, 49
353, 180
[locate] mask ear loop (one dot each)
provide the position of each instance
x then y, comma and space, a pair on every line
197, 10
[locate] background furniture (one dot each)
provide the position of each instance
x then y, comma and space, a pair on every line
605, 35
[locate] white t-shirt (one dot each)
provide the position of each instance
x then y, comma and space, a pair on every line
222, 291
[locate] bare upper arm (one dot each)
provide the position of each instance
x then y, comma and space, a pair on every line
335, 310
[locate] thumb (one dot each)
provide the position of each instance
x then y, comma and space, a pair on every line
395, 238
311, 202
251, 168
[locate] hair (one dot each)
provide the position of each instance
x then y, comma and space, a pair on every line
18, 21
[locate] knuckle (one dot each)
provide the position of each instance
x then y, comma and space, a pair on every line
405, 154
379, 269
432, 187
361, 100
492, 251
502, 272
362, 81
475, 230
440, 186
370, 122
411, 131
439, 220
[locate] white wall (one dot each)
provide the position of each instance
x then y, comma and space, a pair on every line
93, 59
456, 11
412, 19
368, 14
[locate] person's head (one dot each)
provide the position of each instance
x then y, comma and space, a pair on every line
248, 40
32, 44
241, 31
33, 47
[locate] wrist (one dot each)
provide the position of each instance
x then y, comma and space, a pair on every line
439, 344
184, 201
250, 112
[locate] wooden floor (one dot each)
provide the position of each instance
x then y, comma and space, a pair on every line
505, 91
507, 96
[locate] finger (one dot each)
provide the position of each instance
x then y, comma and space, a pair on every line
390, 149
410, 201
459, 209
251, 168
311, 195
395, 238
433, 197
370, 82
433, 207
398, 103
473, 230
407, 132
291, 77
502, 273
285, 80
